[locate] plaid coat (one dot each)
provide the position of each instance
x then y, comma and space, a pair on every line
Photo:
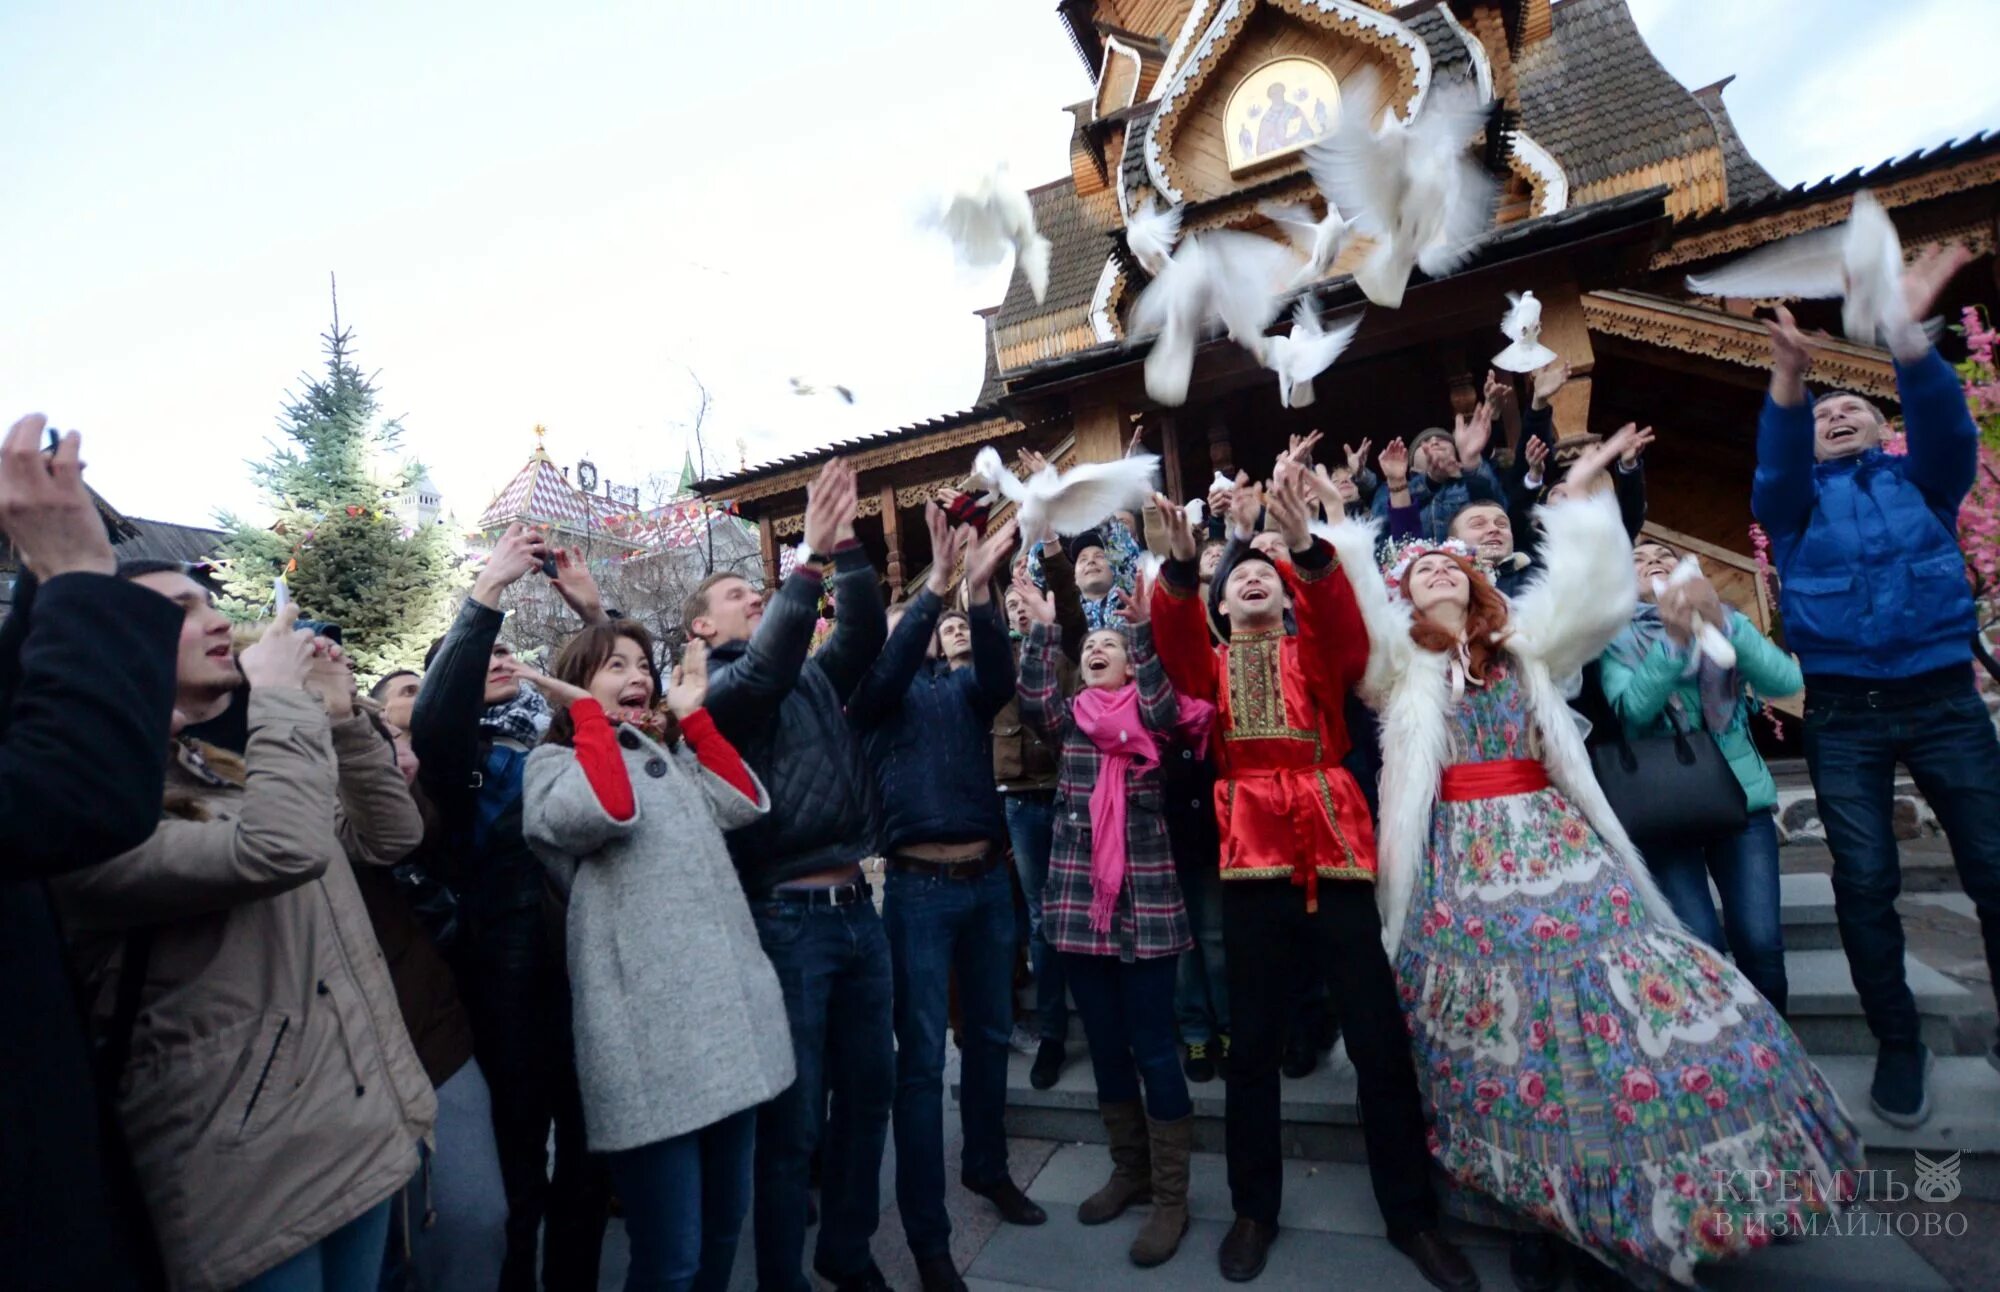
1151, 920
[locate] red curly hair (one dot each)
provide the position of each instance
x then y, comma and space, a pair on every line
1485, 619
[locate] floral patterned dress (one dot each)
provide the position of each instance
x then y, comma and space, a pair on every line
1590, 1072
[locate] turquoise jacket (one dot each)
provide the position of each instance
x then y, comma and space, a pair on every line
1639, 696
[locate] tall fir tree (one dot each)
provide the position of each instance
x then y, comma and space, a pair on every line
345, 556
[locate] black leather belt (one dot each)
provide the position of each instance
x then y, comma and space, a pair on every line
847, 894
971, 868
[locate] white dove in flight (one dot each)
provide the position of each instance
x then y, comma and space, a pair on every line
843, 393
1222, 276
1319, 241
1522, 324
1067, 502
993, 216
1307, 352
1151, 234
1415, 189
1860, 261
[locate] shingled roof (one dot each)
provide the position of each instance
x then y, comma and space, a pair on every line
1074, 264
1747, 177
1449, 56
1593, 95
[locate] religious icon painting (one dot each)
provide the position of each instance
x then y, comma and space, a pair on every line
1278, 109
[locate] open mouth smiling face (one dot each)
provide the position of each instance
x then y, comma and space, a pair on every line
1105, 660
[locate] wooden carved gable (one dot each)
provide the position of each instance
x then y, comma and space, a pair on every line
1264, 78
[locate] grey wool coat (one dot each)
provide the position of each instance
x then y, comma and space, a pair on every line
679, 1020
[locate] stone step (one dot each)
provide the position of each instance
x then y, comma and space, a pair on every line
1826, 1013
1321, 1122
1332, 1235
1805, 910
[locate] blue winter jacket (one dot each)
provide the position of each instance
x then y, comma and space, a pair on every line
1871, 580
926, 729
1438, 503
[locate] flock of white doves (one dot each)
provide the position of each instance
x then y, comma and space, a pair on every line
1415, 189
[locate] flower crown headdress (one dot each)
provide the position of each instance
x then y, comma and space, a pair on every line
1397, 558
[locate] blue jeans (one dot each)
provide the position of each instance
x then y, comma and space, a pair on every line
448, 1232
347, 1260
1128, 1016
1031, 826
935, 926
833, 965
1201, 989
685, 1199
1852, 748
1745, 867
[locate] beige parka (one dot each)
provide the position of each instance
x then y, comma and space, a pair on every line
271, 1094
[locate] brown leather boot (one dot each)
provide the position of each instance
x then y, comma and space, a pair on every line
1160, 1237
1131, 1166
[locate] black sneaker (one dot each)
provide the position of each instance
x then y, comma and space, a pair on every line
1300, 1057
1197, 1066
1048, 1065
868, 1280
938, 1274
1897, 1094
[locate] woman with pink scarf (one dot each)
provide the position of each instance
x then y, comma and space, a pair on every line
1113, 907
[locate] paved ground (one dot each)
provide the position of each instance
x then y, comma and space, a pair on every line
1333, 1232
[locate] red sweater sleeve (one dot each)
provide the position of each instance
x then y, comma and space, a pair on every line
603, 764
717, 754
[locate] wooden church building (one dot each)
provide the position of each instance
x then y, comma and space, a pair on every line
1616, 181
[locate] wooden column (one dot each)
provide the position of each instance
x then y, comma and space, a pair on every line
1565, 332
1169, 432
1100, 430
892, 535
767, 547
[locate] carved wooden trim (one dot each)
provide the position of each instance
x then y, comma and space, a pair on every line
889, 454
1833, 210
1725, 337
1395, 41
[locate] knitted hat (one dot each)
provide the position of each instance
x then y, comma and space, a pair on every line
1427, 434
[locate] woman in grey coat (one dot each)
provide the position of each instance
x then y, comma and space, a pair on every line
679, 1021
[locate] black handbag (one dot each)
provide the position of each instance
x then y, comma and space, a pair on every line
1670, 790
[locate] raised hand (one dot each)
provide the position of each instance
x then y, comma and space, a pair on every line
1138, 608
1299, 450
944, 549
1791, 359
1598, 459
560, 694
1536, 451
1548, 380
1499, 391
1174, 523
1395, 464
830, 503
44, 508
1470, 434
331, 677
1630, 458
282, 658
578, 588
1219, 499
1357, 458
687, 690
1137, 444
1040, 604
988, 555
1289, 505
519, 550
1032, 461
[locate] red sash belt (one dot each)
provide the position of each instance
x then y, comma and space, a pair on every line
1464, 781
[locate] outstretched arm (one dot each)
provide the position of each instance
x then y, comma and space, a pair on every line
897, 664
1782, 492
1180, 620
1043, 705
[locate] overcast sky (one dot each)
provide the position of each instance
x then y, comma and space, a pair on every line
550, 214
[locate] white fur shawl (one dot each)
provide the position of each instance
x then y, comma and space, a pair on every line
1561, 622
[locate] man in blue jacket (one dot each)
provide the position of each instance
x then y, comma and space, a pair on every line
801, 869
1449, 470
1877, 608
925, 723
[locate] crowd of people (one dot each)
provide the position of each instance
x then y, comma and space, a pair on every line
332, 991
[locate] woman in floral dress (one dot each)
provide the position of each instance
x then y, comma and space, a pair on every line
1595, 1074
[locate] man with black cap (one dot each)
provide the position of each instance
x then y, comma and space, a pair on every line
1096, 581
1298, 869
